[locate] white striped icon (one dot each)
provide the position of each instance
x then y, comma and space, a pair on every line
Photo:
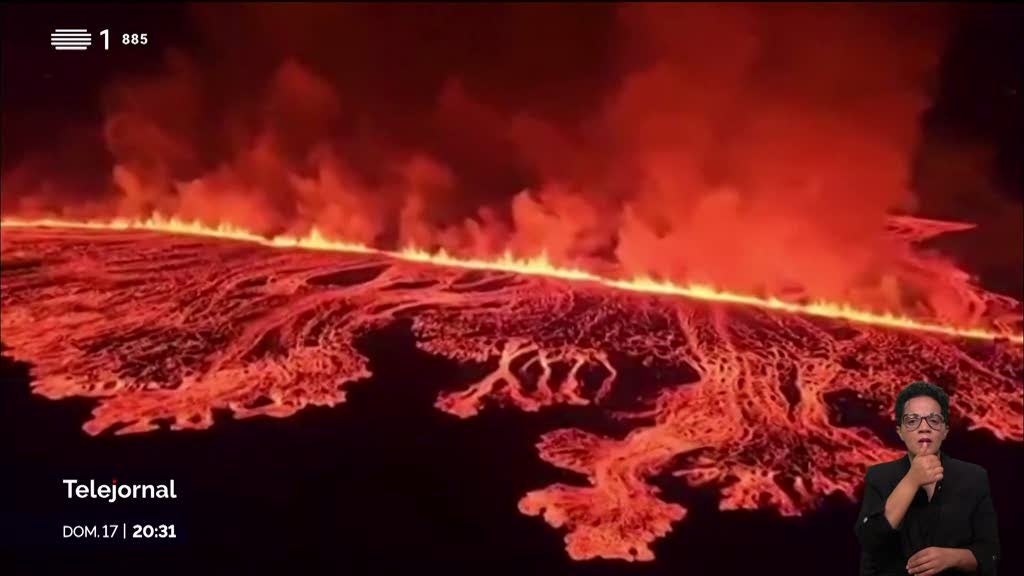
70, 39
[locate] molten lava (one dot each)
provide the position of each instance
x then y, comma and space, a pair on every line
165, 328
539, 265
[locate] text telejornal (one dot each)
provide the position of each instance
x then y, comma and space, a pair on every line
114, 491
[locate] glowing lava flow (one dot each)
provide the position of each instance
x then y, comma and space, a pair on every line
539, 265
162, 330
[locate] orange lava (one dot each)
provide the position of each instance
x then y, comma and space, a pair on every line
539, 265
163, 329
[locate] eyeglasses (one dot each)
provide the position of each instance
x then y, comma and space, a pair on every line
913, 421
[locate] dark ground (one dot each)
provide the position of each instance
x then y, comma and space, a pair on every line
385, 483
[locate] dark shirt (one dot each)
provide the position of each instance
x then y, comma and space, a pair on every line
959, 515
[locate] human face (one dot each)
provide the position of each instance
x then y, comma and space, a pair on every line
925, 439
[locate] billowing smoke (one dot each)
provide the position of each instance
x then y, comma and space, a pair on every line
753, 148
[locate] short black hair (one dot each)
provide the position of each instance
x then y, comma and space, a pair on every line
921, 388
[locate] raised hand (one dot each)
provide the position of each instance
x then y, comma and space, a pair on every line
925, 469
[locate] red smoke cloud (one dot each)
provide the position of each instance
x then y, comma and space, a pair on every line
754, 148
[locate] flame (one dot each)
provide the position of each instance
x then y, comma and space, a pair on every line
539, 265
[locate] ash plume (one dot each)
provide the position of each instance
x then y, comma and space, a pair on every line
757, 148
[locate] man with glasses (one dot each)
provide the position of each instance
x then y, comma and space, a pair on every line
926, 513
